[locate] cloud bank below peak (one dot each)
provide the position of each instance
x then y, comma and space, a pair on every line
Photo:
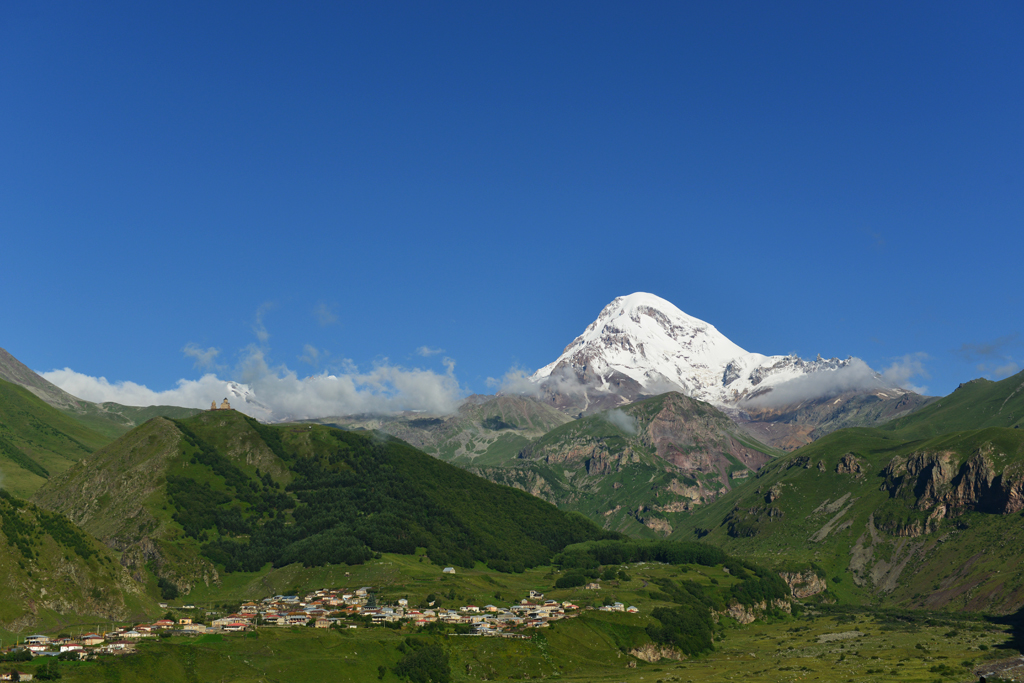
278, 393
855, 376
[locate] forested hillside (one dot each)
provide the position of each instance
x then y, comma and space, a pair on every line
222, 492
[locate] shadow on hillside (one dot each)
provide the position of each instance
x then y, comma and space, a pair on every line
1014, 624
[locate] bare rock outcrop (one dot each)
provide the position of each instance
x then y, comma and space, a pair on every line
804, 584
748, 614
849, 464
652, 653
774, 493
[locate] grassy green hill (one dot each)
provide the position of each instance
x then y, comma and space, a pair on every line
219, 492
113, 419
52, 573
37, 441
924, 512
974, 405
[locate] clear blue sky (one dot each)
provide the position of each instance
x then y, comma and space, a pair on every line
370, 178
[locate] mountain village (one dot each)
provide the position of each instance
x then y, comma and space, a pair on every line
325, 608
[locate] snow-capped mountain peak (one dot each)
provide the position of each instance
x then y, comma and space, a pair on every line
642, 343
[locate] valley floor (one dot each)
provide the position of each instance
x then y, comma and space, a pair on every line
855, 646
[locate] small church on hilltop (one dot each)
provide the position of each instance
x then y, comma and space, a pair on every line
223, 406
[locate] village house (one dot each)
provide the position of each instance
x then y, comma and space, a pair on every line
118, 647
22, 676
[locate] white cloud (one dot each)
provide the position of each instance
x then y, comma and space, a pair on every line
1004, 371
310, 355
517, 381
426, 351
277, 393
325, 314
187, 393
622, 420
204, 358
258, 328
906, 368
855, 376
852, 377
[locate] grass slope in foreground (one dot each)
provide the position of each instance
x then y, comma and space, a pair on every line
219, 492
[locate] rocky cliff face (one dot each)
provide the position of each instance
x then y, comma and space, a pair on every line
941, 483
652, 653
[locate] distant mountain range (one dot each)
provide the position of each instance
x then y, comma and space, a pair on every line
920, 511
